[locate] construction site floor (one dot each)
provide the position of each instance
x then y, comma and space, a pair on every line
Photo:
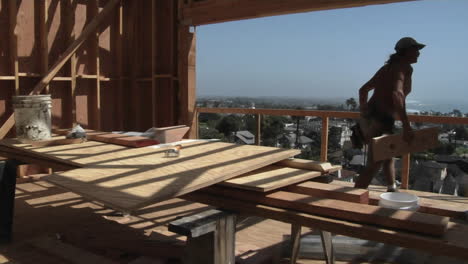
54, 226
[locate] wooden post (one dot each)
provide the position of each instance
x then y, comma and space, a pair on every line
225, 240
12, 10
324, 147
43, 33
88, 30
119, 65
295, 242
258, 133
405, 169
154, 110
197, 124
327, 245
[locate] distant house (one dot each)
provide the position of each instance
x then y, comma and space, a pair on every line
244, 137
303, 141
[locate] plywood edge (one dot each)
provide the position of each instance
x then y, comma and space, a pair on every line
306, 164
323, 190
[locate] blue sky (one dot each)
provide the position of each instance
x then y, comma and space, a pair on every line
330, 54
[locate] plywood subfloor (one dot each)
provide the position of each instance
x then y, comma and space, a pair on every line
144, 176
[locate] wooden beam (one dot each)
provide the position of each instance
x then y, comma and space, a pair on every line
222, 11
405, 170
119, 66
88, 30
324, 190
307, 164
12, 12
258, 129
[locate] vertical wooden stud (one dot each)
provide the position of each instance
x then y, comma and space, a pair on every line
324, 146
153, 64
405, 169
12, 12
119, 50
43, 33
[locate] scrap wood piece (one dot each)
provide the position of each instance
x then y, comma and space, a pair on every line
330, 191
25, 170
452, 244
389, 146
270, 178
147, 176
55, 142
122, 139
308, 165
361, 213
429, 203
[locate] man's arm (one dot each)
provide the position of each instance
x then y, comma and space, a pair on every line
363, 94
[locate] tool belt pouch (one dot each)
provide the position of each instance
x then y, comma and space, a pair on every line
357, 137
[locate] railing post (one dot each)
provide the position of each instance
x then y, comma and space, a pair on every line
324, 146
258, 132
405, 168
197, 124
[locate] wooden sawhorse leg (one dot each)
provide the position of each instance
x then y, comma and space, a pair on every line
327, 244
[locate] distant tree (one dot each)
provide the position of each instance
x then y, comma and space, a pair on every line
205, 117
210, 132
457, 113
334, 137
297, 120
229, 124
272, 129
351, 104
461, 133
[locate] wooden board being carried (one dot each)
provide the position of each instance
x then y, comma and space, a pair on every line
146, 176
388, 146
308, 165
270, 178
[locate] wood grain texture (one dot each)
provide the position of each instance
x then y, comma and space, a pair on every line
306, 164
270, 178
323, 190
133, 178
361, 213
388, 146
453, 243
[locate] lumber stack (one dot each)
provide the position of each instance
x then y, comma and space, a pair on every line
427, 224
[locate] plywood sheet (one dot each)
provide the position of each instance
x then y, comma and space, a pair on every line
270, 178
146, 176
388, 146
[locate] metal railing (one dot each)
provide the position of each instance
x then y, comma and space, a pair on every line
326, 115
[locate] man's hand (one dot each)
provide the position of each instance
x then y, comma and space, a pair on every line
408, 134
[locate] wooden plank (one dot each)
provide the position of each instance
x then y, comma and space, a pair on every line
452, 244
222, 11
388, 146
361, 213
430, 203
270, 178
405, 170
330, 191
144, 176
153, 65
88, 30
307, 164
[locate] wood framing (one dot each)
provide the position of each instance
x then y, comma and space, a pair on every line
209, 11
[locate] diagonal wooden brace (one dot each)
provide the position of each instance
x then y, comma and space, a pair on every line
91, 28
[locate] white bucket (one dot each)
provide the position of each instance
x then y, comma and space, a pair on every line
399, 200
32, 116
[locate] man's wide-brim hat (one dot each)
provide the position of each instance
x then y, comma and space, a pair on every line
408, 42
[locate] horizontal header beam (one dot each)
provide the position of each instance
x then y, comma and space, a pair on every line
209, 11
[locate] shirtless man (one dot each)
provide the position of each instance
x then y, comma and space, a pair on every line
391, 85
